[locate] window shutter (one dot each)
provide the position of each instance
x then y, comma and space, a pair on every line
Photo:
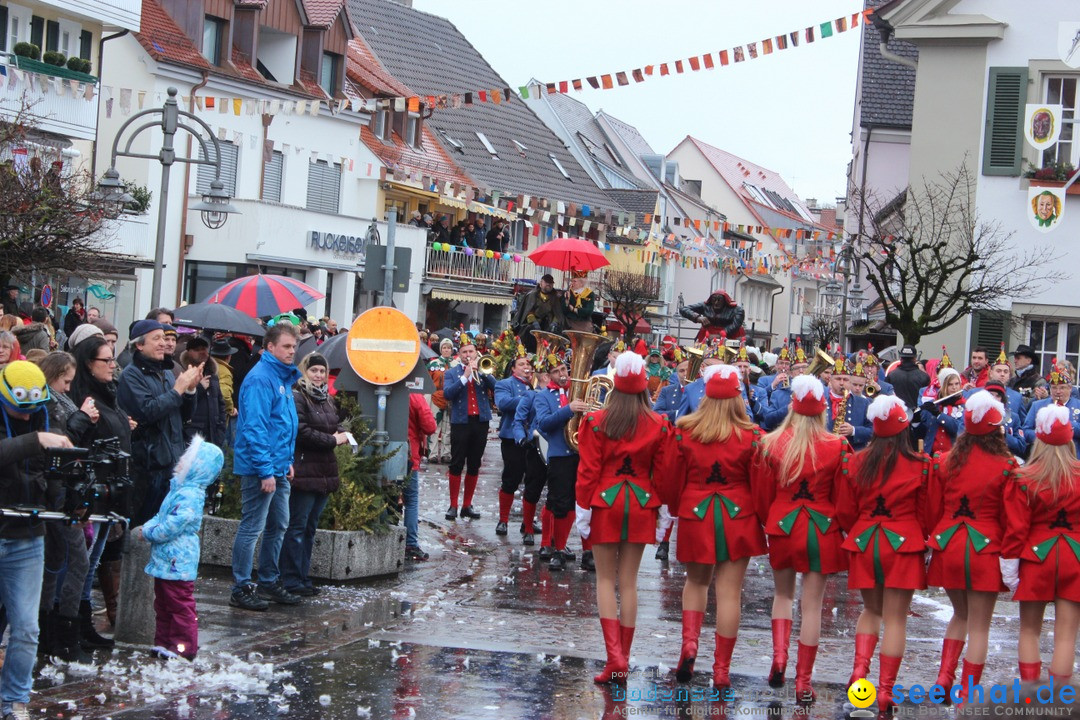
324, 187
229, 159
990, 328
3, 28
37, 31
1004, 136
52, 36
272, 172
86, 39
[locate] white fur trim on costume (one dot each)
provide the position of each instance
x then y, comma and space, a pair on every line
629, 363
980, 403
725, 371
1049, 416
184, 463
804, 385
944, 375
882, 406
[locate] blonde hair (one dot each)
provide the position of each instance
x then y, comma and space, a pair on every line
9, 322
793, 443
1052, 467
715, 420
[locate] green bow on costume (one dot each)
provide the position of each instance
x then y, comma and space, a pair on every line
612, 492
871, 533
1043, 549
718, 501
978, 540
818, 521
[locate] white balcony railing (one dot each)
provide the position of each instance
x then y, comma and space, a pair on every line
474, 269
119, 13
131, 235
51, 103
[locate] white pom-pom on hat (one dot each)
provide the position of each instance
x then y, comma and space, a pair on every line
980, 403
882, 406
804, 385
629, 363
1049, 416
725, 371
944, 375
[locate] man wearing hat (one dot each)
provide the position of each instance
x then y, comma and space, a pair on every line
656, 372
467, 391
518, 460
1026, 374
854, 425
11, 300
540, 309
208, 418
1061, 384
907, 378
160, 402
1014, 436
580, 301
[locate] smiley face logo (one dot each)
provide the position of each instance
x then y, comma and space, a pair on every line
862, 693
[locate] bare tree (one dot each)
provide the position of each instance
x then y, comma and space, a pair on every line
629, 295
934, 261
49, 218
824, 329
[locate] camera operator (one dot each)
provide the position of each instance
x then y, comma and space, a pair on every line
23, 394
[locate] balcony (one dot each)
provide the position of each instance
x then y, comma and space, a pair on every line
119, 13
50, 101
131, 235
456, 267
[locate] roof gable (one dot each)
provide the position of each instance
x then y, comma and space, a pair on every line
887, 88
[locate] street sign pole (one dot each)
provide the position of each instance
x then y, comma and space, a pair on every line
382, 393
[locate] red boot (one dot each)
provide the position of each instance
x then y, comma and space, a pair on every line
691, 630
781, 638
616, 668
969, 676
1030, 672
888, 666
721, 669
804, 668
950, 656
626, 639
864, 652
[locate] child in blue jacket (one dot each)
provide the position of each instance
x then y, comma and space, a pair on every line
174, 557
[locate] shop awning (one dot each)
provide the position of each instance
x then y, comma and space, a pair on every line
471, 297
402, 187
483, 209
453, 202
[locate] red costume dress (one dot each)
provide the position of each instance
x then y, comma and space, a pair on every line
1045, 534
886, 524
708, 486
967, 512
615, 479
800, 518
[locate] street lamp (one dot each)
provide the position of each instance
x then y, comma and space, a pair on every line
214, 208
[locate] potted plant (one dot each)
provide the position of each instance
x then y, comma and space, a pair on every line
1052, 175
27, 50
54, 58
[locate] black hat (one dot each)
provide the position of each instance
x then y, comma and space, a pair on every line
1024, 350
548, 278
198, 341
908, 351
221, 348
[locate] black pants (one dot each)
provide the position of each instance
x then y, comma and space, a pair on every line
467, 443
523, 461
149, 488
561, 479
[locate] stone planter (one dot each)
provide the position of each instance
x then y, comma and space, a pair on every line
338, 555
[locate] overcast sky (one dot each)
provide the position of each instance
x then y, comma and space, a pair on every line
790, 111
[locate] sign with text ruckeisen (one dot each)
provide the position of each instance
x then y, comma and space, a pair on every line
339, 244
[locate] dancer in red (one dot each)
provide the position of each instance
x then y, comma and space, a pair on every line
967, 512
708, 485
621, 448
881, 505
1042, 544
793, 482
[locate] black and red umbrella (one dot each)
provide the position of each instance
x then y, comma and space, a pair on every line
262, 295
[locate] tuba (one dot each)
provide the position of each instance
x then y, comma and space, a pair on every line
822, 362
555, 343
584, 386
695, 357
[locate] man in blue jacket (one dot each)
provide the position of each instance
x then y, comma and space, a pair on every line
265, 439
554, 409
670, 397
854, 425
466, 389
1060, 380
518, 460
1014, 435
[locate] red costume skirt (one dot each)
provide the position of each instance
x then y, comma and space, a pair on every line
622, 523
796, 551
885, 567
959, 567
718, 538
1058, 576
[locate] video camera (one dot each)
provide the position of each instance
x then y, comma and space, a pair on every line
96, 482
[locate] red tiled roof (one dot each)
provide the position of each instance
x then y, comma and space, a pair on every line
164, 40
322, 13
432, 160
242, 63
364, 68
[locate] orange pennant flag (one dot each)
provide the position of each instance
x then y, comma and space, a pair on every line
605, 80
414, 104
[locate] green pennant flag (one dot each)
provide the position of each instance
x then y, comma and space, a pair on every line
826, 29
524, 89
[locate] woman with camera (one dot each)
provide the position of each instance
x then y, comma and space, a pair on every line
94, 368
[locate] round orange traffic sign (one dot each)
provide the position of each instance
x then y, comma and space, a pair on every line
383, 346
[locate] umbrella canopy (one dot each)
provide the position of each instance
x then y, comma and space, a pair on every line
333, 350
426, 353
222, 318
262, 295
569, 254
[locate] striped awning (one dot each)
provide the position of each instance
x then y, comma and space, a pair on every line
471, 297
453, 202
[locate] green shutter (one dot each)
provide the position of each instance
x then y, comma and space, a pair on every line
3, 28
990, 328
1004, 136
37, 32
52, 36
86, 41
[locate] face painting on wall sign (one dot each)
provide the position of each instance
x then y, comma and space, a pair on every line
1042, 125
1046, 206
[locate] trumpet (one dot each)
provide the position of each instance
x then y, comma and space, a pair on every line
872, 389
486, 365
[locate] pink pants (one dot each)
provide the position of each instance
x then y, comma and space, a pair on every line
177, 624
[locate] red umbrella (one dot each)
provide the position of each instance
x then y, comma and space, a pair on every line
262, 295
569, 254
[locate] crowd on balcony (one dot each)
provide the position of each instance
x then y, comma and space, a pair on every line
471, 232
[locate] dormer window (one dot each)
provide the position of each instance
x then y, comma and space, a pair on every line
213, 39
412, 130
276, 59
380, 124
328, 73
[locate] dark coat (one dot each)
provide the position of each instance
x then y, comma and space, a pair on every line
66, 417
907, 379
113, 421
22, 475
72, 320
494, 242
34, 335
1025, 383
729, 319
315, 467
208, 417
146, 394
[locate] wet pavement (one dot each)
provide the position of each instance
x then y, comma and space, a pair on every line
483, 630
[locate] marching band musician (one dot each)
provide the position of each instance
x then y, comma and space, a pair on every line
467, 391
554, 408
517, 459
857, 382
440, 440
874, 373
754, 409
526, 436
694, 391
942, 420
1060, 380
782, 375
780, 397
622, 450
1001, 372
657, 372
667, 402
1011, 427
854, 425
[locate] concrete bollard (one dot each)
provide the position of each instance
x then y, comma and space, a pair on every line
135, 622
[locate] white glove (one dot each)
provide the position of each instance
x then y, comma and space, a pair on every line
1010, 573
665, 521
582, 519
